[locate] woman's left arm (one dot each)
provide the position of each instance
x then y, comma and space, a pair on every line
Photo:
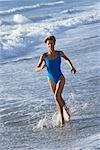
68, 61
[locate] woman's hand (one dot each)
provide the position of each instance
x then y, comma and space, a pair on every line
73, 70
37, 69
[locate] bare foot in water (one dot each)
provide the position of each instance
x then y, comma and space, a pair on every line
62, 124
67, 111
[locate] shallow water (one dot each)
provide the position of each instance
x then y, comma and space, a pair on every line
25, 97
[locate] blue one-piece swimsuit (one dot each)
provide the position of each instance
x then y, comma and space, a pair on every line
53, 68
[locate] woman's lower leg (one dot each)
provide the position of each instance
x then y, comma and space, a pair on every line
60, 110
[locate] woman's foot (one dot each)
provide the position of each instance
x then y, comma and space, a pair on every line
67, 110
62, 121
62, 124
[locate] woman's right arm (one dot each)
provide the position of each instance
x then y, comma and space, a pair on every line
39, 64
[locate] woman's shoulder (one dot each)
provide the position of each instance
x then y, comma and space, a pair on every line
59, 52
44, 55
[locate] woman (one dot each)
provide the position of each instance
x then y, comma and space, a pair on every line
56, 80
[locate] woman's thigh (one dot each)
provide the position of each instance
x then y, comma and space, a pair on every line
59, 86
52, 86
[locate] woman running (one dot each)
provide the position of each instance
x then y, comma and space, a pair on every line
56, 80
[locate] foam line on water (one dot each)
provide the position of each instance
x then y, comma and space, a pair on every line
13, 10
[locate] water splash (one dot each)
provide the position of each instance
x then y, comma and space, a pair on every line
51, 122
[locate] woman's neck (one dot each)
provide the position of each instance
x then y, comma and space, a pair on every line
51, 51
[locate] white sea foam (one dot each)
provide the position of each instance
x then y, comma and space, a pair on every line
71, 11
23, 32
13, 10
18, 18
52, 24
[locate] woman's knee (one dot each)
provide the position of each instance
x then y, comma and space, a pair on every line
57, 96
59, 99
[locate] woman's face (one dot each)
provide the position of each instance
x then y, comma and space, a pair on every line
50, 44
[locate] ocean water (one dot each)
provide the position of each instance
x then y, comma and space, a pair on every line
28, 114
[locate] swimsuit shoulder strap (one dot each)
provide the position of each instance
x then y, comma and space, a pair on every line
45, 55
59, 53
